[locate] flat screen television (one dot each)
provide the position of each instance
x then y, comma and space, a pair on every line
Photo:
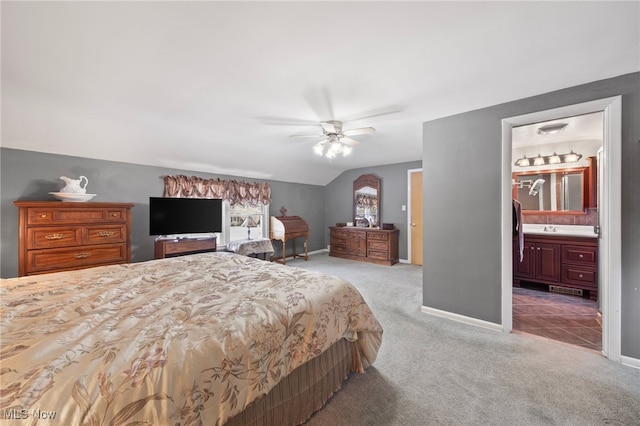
171, 216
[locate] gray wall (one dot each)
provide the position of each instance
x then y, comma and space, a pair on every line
339, 198
462, 258
28, 175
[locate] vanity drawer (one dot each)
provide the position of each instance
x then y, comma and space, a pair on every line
50, 260
579, 255
583, 276
48, 237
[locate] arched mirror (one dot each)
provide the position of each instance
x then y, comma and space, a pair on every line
366, 201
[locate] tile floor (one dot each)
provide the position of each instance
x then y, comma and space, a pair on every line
564, 318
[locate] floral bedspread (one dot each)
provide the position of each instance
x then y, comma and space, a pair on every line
179, 341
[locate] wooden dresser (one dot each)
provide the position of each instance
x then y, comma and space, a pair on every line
364, 244
61, 236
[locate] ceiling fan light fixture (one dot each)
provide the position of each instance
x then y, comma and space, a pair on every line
318, 148
335, 141
334, 149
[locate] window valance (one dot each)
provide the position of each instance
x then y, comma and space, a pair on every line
236, 192
364, 200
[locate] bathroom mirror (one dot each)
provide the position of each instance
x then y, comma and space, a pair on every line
559, 191
366, 201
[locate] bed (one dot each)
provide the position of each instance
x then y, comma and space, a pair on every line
205, 339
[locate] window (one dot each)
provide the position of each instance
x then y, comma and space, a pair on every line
237, 218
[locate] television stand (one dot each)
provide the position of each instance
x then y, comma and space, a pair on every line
180, 247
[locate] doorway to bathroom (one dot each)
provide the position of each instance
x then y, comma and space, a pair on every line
609, 210
555, 181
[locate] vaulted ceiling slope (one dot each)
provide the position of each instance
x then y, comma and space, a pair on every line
220, 86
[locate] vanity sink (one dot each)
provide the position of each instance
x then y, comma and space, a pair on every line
568, 230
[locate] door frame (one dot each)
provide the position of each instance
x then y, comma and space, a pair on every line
409, 172
609, 258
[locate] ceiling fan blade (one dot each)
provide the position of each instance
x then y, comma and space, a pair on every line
285, 121
330, 126
391, 109
315, 135
349, 141
361, 131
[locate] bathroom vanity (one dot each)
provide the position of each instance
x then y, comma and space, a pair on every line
565, 259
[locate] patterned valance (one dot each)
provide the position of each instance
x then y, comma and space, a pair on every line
236, 192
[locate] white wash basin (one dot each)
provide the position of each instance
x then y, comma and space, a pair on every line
568, 230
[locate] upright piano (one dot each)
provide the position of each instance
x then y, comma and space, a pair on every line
286, 228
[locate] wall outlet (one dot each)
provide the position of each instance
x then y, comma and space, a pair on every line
404, 208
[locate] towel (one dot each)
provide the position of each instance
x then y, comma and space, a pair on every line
517, 227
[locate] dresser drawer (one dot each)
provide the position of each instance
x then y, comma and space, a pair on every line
339, 233
583, 276
378, 245
579, 255
53, 216
338, 249
338, 241
105, 234
50, 236
375, 254
381, 236
49, 260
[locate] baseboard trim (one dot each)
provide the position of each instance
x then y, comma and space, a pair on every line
462, 318
630, 362
318, 251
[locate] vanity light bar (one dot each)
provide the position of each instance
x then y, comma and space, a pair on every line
540, 160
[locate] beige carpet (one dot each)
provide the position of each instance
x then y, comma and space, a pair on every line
433, 371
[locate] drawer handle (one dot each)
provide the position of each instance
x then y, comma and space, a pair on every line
581, 256
580, 275
115, 215
82, 255
55, 236
105, 233
43, 215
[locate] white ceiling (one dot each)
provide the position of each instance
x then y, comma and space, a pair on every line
579, 127
219, 86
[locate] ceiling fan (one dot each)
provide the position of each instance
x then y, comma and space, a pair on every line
334, 140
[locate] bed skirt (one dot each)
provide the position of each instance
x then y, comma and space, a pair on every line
303, 392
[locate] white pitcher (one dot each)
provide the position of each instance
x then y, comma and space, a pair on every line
75, 185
